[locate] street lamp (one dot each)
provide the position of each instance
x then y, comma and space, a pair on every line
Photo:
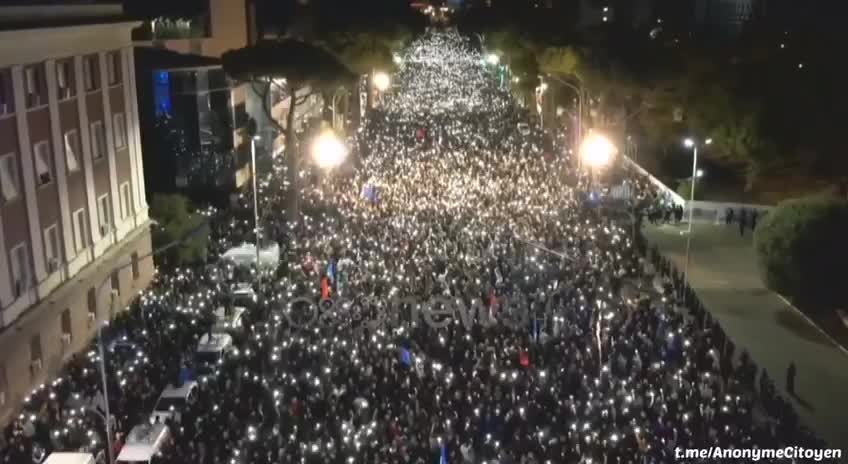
255, 197
381, 81
493, 59
581, 95
328, 151
596, 151
693, 144
540, 90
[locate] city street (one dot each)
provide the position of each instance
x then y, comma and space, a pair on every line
724, 274
554, 366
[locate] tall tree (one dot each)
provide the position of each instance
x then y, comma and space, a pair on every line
365, 36
291, 66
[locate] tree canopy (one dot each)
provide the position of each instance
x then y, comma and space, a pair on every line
182, 233
300, 63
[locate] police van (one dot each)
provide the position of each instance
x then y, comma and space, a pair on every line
211, 351
172, 402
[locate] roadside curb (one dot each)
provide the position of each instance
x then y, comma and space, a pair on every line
812, 323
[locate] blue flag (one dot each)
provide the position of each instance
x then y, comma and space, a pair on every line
405, 357
443, 459
331, 271
186, 375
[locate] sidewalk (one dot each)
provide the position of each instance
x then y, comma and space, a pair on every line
723, 272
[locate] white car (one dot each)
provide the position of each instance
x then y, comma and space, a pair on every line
172, 402
210, 353
243, 295
228, 322
524, 129
143, 443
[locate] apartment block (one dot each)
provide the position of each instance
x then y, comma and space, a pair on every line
74, 233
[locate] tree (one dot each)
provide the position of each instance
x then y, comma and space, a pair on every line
302, 66
364, 36
182, 234
801, 249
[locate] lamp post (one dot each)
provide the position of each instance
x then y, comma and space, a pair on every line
381, 82
541, 89
581, 95
693, 144
255, 197
596, 151
328, 151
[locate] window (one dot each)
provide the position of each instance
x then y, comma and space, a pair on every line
67, 328
120, 128
35, 347
116, 282
90, 69
98, 140
9, 177
113, 62
80, 235
103, 216
135, 270
64, 83
72, 144
52, 252
3, 385
6, 100
43, 164
92, 304
20, 270
33, 79
126, 201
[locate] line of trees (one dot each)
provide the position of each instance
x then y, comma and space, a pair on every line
323, 45
770, 98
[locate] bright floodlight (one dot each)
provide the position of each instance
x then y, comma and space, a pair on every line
689, 143
328, 151
381, 81
493, 59
699, 173
708, 141
597, 150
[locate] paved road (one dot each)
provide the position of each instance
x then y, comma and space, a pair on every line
723, 272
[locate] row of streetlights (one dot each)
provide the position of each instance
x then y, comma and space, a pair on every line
328, 151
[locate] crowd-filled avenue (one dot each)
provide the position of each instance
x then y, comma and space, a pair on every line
457, 292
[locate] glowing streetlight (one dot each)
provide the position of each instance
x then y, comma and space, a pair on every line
696, 173
328, 151
381, 81
597, 150
493, 59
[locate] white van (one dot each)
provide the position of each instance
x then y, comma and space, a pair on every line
143, 442
228, 322
211, 349
172, 402
243, 295
69, 458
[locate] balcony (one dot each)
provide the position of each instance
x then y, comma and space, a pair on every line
161, 29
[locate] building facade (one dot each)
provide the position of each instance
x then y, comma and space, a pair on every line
180, 76
74, 232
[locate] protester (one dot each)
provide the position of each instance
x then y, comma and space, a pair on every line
581, 364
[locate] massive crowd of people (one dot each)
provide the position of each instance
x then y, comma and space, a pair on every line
571, 357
